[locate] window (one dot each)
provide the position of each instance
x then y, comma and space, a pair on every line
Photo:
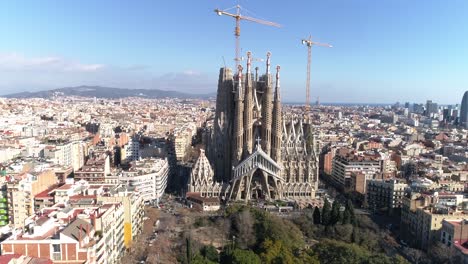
56, 247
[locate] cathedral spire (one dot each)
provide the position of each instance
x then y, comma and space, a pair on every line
277, 91
268, 63
239, 92
256, 74
277, 121
238, 119
248, 108
249, 61
267, 99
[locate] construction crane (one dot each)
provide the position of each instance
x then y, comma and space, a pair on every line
309, 43
238, 18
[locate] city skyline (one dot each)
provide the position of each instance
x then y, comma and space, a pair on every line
178, 46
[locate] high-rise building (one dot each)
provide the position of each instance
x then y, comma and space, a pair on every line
431, 108
257, 151
464, 111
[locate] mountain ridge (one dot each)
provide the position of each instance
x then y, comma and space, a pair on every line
107, 92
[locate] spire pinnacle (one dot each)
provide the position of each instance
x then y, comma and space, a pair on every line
268, 62
249, 61
239, 72
277, 92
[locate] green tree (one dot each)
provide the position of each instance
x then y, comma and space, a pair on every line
337, 252
198, 259
355, 235
335, 215
188, 249
348, 215
210, 253
326, 211
316, 216
276, 252
240, 256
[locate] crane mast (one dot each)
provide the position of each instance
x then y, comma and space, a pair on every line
309, 43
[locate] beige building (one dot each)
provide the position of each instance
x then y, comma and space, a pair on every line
454, 234
69, 154
21, 190
96, 169
133, 206
421, 219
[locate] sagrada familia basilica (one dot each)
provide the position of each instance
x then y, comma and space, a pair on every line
255, 151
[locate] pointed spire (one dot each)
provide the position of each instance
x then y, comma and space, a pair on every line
268, 63
239, 72
277, 92
256, 74
240, 93
249, 61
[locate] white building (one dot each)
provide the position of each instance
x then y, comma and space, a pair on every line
149, 176
69, 154
132, 150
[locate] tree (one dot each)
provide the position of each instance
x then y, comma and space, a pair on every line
355, 236
316, 216
440, 253
335, 215
239, 256
188, 250
348, 215
337, 252
198, 259
276, 252
326, 211
210, 253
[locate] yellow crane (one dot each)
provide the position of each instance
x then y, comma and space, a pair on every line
238, 17
309, 43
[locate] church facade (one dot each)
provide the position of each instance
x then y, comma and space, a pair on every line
256, 151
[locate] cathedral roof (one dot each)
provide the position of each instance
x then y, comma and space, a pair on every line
202, 171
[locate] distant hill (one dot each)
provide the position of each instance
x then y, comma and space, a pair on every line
107, 92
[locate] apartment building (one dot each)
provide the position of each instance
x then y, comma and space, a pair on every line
148, 176
134, 210
454, 235
70, 154
21, 190
385, 195
96, 169
421, 219
68, 235
344, 165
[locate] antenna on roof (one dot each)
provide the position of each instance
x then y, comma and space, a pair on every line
224, 61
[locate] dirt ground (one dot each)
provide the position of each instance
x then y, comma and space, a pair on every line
162, 243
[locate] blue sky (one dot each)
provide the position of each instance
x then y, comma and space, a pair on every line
383, 51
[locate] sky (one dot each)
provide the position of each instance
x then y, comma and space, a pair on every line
383, 51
